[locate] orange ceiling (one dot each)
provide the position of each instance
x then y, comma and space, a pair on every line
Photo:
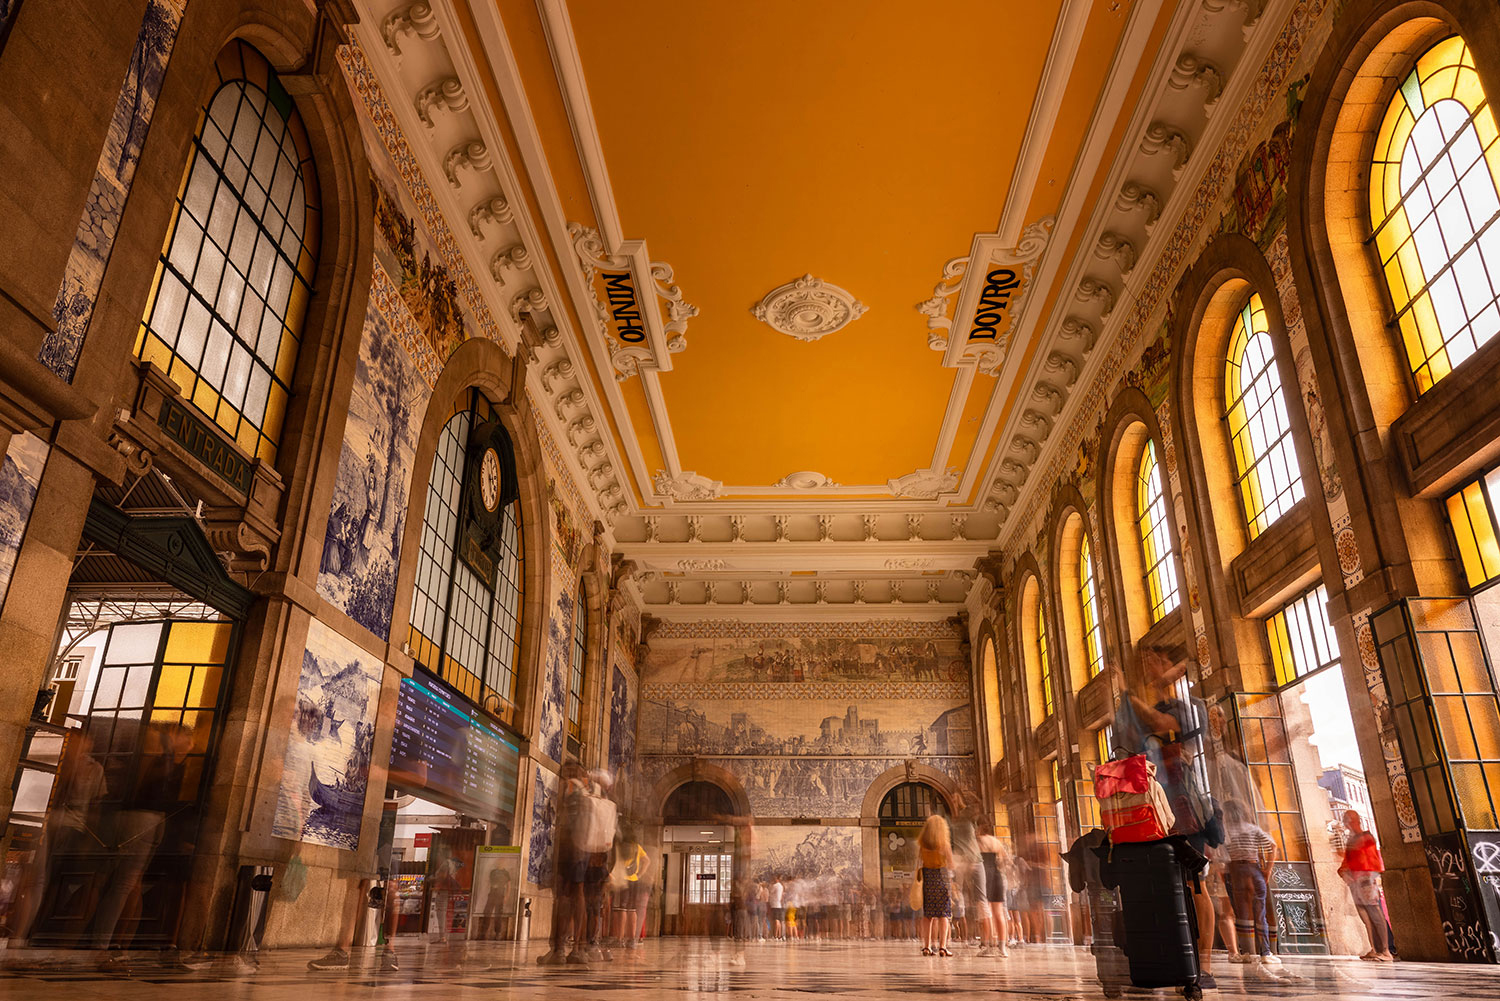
865, 143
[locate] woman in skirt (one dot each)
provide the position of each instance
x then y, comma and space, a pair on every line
936, 848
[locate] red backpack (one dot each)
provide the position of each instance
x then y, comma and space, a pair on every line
1133, 805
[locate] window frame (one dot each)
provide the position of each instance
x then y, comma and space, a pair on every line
1088, 599
241, 279
578, 665
1380, 167
1049, 700
1161, 601
442, 525
1284, 447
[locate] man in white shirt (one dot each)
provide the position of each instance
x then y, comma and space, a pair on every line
778, 911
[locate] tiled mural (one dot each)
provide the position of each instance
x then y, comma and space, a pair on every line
100, 224
622, 717
326, 769
806, 715
20, 475
543, 818
798, 852
362, 542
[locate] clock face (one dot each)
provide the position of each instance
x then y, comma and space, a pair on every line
489, 480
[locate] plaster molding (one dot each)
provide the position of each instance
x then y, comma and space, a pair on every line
808, 308
925, 483
664, 335
805, 479
686, 486
447, 93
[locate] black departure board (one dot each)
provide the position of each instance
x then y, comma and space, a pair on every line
447, 749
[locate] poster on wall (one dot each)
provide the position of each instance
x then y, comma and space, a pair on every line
326, 769
496, 893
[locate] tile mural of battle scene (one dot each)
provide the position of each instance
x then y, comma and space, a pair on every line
796, 852
20, 476
909, 728
795, 659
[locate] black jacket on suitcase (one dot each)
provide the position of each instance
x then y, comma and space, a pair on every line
1159, 919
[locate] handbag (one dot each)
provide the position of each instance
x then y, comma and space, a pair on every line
914, 896
1133, 806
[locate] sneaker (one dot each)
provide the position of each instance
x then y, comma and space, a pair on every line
737, 960
338, 959
1270, 959
576, 958
984, 950
550, 958
388, 961
1207, 982
1240, 957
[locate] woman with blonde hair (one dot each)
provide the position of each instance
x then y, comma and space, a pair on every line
936, 849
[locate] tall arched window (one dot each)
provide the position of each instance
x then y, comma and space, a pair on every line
1265, 457
1049, 704
465, 629
1434, 202
225, 315
1156, 540
989, 667
575, 674
1088, 597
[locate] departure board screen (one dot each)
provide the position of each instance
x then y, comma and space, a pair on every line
445, 748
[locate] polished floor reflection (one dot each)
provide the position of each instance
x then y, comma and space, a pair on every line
685, 968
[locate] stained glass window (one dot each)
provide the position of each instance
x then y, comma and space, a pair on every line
1156, 540
575, 675
1265, 458
1302, 638
1088, 596
225, 315
463, 630
1048, 704
1434, 202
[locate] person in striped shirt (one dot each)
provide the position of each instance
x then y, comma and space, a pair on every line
1252, 853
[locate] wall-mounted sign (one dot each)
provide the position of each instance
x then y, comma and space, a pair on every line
638, 305
203, 443
624, 307
994, 303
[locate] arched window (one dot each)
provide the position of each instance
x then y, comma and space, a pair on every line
580, 652
1088, 597
1265, 458
465, 629
1156, 541
225, 315
1434, 200
1049, 705
994, 710
911, 803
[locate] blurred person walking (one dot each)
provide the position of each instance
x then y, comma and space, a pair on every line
936, 849
1252, 852
993, 918
1361, 869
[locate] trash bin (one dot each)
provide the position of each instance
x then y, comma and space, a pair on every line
252, 902
523, 923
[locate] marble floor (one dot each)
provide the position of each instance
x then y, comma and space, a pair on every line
689, 968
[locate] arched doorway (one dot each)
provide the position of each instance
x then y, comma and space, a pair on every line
903, 811
698, 843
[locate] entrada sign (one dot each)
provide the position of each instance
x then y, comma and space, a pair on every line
624, 307
994, 300
194, 434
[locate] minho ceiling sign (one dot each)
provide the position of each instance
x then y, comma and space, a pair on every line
641, 335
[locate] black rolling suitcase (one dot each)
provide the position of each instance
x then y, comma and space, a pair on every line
1104, 912
1157, 915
